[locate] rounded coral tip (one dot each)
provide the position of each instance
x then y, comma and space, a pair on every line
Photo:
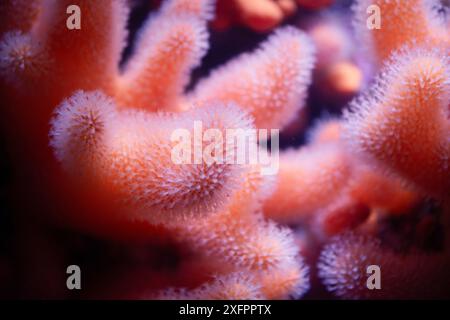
22, 60
80, 129
325, 130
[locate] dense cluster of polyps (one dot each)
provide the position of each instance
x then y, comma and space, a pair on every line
108, 170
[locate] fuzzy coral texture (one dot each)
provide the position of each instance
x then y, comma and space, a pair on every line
89, 130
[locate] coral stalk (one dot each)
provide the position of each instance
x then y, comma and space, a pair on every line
155, 78
277, 76
123, 151
403, 121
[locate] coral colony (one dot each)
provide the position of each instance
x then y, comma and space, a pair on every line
361, 210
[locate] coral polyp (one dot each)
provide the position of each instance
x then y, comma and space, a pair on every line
217, 150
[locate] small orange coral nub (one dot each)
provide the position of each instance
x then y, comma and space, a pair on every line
403, 122
271, 84
261, 15
343, 78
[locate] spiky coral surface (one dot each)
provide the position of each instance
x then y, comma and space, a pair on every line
90, 132
403, 121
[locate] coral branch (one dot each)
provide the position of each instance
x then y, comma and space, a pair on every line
127, 162
271, 83
403, 121
261, 16
418, 21
155, 78
368, 184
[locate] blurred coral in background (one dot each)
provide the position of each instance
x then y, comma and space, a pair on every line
87, 119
